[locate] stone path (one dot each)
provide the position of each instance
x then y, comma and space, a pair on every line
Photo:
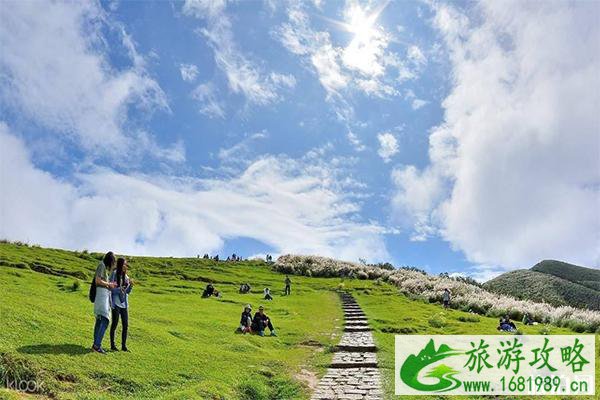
353, 373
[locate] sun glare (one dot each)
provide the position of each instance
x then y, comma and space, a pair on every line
364, 50
361, 24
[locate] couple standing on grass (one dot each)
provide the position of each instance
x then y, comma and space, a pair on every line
111, 300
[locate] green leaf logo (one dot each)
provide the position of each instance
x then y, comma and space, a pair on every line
413, 365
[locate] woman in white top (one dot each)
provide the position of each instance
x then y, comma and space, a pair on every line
267, 292
102, 300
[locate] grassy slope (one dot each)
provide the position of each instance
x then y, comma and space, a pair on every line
538, 286
183, 346
585, 276
390, 313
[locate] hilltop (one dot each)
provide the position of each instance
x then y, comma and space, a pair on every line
554, 282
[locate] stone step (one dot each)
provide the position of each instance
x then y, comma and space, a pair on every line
362, 322
355, 318
357, 341
350, 384
357, 328
354, 360
354, 313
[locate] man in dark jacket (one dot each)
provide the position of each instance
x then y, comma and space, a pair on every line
262, 321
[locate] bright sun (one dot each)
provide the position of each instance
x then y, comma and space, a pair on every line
361, 24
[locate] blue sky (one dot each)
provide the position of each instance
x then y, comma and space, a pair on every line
420, 133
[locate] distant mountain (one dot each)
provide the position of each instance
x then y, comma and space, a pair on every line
554, 282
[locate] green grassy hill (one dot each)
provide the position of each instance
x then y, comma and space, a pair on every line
573, 273
552, 282
184, 347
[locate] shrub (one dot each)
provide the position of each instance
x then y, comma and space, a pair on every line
76, 286
466, 295
405, 330
17, 369
545, 330
437, 320
253, 390
468, 318
577, 326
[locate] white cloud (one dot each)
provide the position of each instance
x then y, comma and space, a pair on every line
240, 152
296, 206
418, 103
325, 61
416, 56
210, 105
55, 72
243, 76
189, 72
514, 174
355, 141
283, 80
388, 146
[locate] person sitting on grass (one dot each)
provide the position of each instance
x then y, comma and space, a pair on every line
446, 298
262, 321
246, 320
244, 288
527, 320
210, 291
506, 324
267, 293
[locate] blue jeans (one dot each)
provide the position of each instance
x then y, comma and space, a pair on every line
99, 330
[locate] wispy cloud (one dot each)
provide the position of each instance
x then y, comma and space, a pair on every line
207, 98
243, 76
56, 73
388, 146
189, 72
355, 141
297, 206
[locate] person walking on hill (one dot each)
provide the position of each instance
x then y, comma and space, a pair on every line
120, 305
102, 300
288, 287
262, 321
446, 298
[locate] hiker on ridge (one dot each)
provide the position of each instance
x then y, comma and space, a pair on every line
288, 287
120, 305
262, 321
102, 300
446, 298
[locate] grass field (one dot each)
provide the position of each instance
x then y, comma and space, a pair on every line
184, 346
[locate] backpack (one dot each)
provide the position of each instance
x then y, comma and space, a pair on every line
92, 294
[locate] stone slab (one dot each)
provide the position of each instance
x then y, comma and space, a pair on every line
350, 384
